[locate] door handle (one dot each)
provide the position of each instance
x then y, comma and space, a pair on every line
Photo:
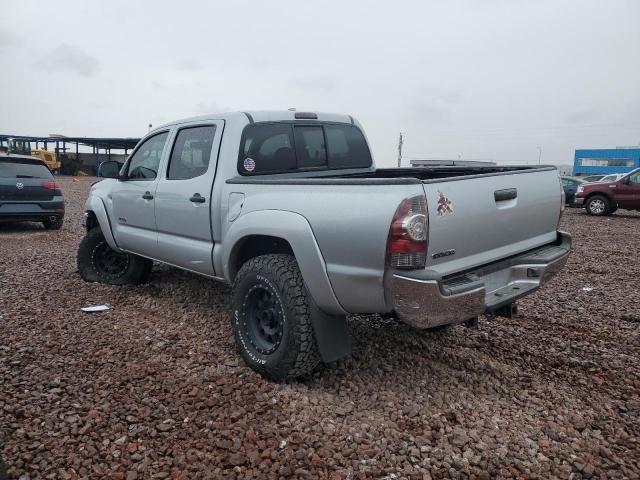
147, 196
197, 198
507, 194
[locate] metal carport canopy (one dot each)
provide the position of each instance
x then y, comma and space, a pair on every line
100, 142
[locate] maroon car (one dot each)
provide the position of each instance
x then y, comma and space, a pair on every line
605, 198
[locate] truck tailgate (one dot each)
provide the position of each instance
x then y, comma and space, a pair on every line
481, 219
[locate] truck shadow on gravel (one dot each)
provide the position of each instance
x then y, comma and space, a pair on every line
381, 347
384, 350
3, 471
398, 355
625, 215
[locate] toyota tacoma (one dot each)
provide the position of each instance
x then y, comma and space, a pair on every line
289, 208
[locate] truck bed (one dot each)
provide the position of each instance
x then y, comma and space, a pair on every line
351, 211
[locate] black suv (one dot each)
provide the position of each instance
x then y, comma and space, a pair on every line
28, 192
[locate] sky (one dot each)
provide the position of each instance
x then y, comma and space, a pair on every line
502, 80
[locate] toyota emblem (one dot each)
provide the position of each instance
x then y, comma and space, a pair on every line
19, 186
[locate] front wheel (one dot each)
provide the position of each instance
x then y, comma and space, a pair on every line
272, 318
598, 205
98, 262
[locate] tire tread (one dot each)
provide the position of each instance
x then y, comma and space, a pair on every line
139, 268
302, 356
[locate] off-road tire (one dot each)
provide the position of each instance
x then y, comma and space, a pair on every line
296, 354
591, 209
57, 225
137, 269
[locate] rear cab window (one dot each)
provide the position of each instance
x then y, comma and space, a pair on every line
18, 169
282, 147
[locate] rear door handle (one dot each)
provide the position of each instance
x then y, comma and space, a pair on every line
197, 198
147, 196
506, 194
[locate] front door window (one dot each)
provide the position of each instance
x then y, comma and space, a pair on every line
145, 161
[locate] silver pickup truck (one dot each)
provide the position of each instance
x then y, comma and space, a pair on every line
289, 208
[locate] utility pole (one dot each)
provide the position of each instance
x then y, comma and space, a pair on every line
539, 154
400, 142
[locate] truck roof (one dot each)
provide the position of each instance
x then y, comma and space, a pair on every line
266, 116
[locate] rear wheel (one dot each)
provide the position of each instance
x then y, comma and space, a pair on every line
53, 225
272, 318
598, 205
98, 262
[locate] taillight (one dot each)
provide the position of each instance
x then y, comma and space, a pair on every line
50, 185
407, 241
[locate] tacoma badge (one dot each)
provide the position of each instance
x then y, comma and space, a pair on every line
446, 253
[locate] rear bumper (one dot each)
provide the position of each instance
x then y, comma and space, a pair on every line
423, 299
36, 211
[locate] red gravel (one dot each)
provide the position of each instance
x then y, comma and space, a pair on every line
154, 388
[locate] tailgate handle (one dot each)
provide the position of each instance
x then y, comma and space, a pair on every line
506, 194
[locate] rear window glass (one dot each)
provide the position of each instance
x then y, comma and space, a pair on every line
311, 150
24, 170
347, 147
285, 147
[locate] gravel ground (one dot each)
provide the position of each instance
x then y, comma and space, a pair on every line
154, 388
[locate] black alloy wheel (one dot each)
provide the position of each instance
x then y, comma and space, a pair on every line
109, 264
264, 319
98, 262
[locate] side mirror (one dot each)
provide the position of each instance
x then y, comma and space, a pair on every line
109, 169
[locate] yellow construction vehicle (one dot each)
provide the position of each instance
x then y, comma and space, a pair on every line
49, 158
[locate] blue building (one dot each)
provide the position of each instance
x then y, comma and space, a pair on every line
606, 160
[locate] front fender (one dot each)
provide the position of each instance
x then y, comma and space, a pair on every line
96, 205
295, 229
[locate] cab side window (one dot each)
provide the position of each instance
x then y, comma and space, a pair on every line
144, 163
191, 152
635, 178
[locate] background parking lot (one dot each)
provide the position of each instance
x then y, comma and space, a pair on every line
154, 387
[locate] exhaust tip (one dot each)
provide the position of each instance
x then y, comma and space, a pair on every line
53, 218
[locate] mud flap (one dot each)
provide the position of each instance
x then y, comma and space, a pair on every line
332, 334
